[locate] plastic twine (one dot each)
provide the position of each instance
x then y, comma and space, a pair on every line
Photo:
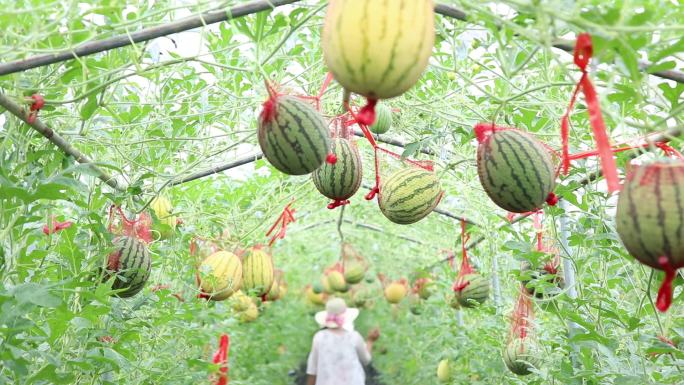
466, 268
522, 315
361, 120
139, 228
537, 224
583, 53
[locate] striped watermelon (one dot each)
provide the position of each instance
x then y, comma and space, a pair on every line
409, 195
275, 293
131, 264
293, 135
378, 48
476, 292
354, 273
341, 180
650, 214
220, 275
516, 170
336, 280
521, 355
383, 119
257, 272
315, 298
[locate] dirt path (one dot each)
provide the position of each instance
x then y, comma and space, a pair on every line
372, 376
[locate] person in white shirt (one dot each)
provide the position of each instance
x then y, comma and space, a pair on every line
338, 352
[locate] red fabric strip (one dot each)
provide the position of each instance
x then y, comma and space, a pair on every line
55, 226
664, 299
285, 218
221, 357
583, 53
466, 268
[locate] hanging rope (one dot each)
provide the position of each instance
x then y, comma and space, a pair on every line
221, 357
466, 268
285, 218
583, 53
361, 121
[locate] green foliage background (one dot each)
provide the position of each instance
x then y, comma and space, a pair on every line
154, 113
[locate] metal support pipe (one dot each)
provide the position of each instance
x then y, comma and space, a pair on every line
569, 273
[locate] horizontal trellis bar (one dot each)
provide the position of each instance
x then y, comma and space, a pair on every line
213, 17
143, 35
20, 112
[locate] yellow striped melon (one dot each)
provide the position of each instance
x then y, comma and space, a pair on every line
251, 314
275, 293
241, 301
161, 206
316, 299
220, 275
378, 48
395, 292
257, 272
444, 371
325, 284
336, 281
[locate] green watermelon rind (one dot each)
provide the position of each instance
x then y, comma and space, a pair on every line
516, 171
650, 213
383, 120
341, 180
476, 293
296, 141
521, 355
415, 185
133, 268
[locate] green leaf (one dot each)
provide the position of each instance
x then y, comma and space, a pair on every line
89, 107
36, 294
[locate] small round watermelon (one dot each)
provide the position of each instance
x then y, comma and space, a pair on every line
383, 119
131, 264
521, 355
342, 179
515, 170
409, 195
293, 136
475, 292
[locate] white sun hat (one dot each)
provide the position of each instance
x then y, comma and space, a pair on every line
337, 315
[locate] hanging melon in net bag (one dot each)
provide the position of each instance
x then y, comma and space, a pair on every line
340, 176
292, 134
129, 264
395, 291
407, 190
470, 288
354, 264
543, 279
522, 352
